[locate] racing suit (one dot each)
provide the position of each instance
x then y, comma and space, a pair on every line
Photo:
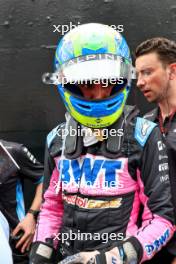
13, 171
102, 186
169, 251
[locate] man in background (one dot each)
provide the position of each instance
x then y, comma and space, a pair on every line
17, 164
156, 78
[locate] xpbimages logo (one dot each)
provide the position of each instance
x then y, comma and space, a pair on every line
80, 236
64, 28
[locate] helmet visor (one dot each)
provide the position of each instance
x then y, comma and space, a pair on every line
92, 67
96, 67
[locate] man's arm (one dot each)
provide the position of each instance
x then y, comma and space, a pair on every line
30, 168
50, 217
155, 194
46, 237
28, 224
37, 198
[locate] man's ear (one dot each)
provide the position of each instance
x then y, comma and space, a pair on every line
172, 67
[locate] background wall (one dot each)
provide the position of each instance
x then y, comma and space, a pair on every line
28, 108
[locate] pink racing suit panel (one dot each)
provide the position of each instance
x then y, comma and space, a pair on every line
154, 236
132, 226
50, 218
155, 231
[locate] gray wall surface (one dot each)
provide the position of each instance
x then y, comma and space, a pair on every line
28, 108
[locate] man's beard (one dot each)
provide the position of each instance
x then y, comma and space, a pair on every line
163, 96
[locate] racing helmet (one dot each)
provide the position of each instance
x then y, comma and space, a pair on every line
88, 53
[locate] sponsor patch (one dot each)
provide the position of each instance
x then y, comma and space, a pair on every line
143, 130
158, 243
92, 204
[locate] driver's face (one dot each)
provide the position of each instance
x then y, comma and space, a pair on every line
96, 91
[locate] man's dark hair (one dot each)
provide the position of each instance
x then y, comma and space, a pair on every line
165, 49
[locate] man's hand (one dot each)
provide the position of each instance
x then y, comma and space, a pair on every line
27, 225
173, 261
81, 258
118, 255
94, 257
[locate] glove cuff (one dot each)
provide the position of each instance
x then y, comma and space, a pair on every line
137, 246
42, 252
